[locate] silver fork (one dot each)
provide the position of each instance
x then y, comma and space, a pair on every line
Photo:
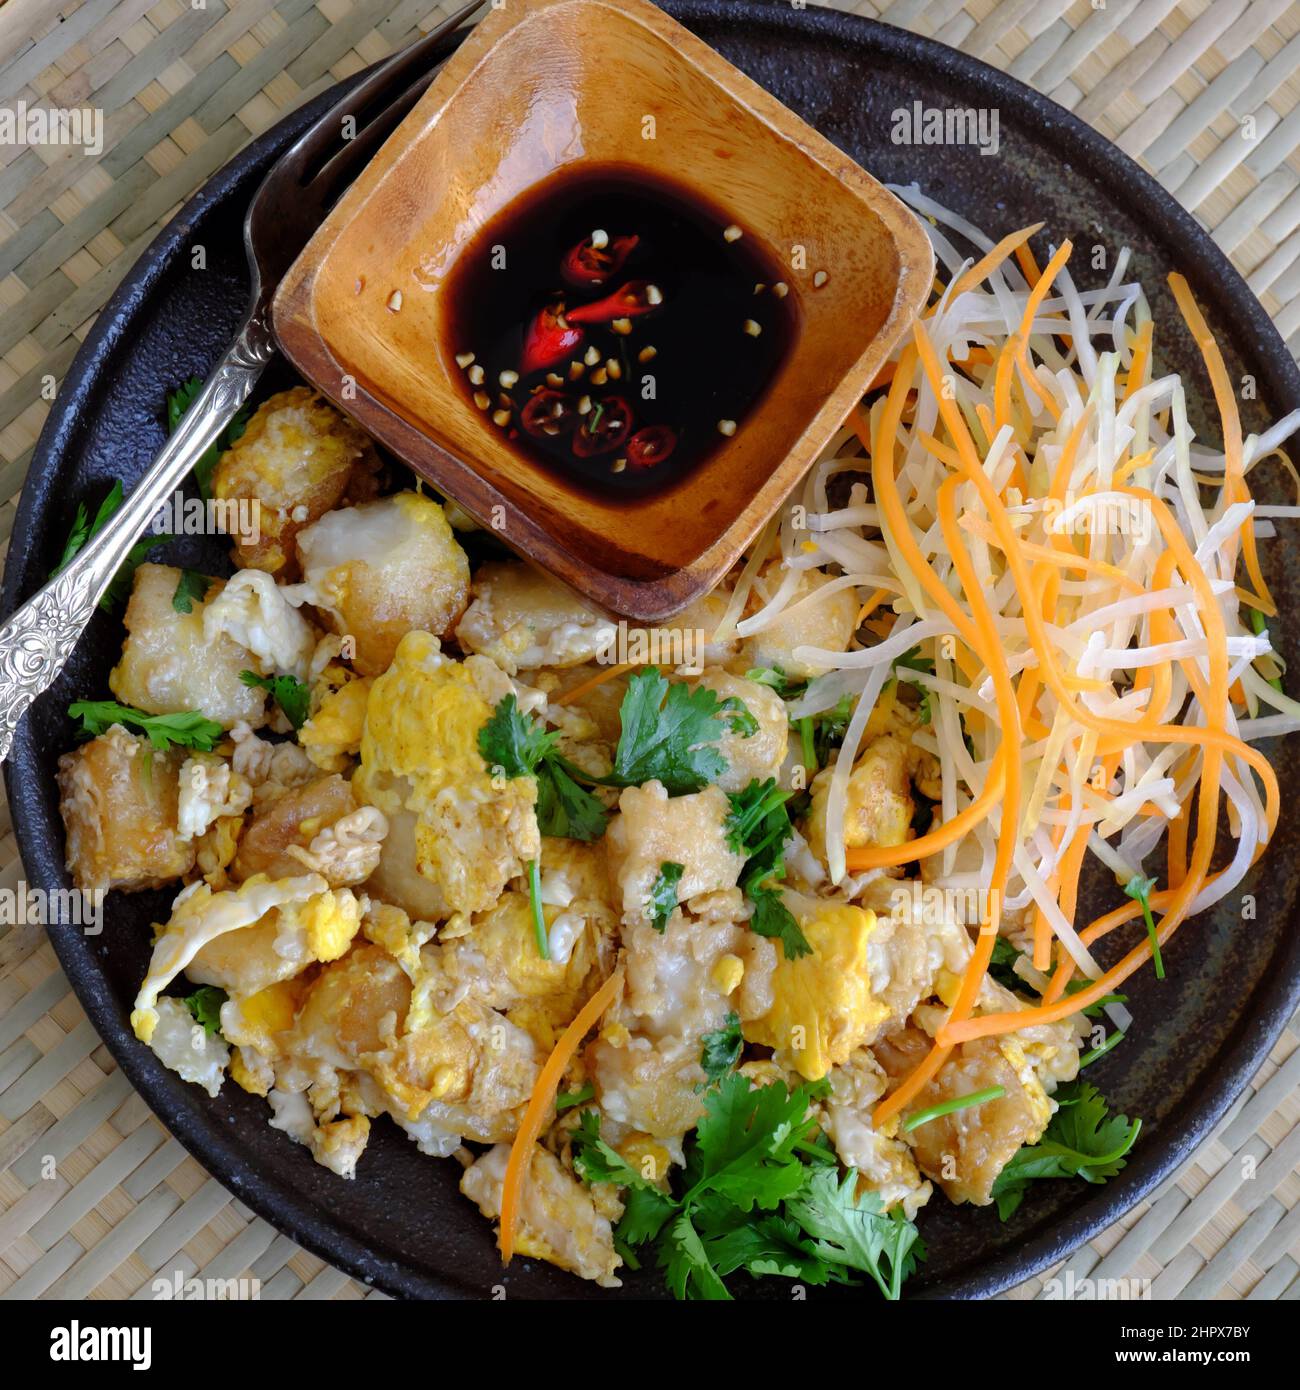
287, 208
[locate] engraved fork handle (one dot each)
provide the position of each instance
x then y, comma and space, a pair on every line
39, 637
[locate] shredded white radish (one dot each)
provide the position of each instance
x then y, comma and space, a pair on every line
1123, 524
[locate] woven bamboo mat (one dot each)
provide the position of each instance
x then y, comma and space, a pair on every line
96, 1200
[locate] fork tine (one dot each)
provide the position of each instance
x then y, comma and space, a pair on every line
322, 139
330, 179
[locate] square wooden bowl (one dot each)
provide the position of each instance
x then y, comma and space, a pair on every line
540, 87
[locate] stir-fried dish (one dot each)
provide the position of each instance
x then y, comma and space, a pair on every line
726, 955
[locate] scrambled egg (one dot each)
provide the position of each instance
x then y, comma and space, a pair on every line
198, 916
332, 736
419, 755
822, 1006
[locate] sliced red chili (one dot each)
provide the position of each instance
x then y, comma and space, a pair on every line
628, 302
604, 428
550, 339
588, 267
649, 447
548, 412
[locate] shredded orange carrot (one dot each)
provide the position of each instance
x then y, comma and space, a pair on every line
871, 605
608, 674
541, 1108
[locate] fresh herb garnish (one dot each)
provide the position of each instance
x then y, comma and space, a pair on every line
119, 587
952, 1105
178, 402
189, 729
205, 1004
1139, 888
912, 660
566, 1100
520, 747
535, 902
758, 1194
1083, 1140
293, 697
669, 731
191, 587
759, 827
663, 895
1102, 1049
785, 686
85, 530
830, 727
721, 1049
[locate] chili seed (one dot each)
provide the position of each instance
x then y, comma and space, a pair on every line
395, 300
482, 399
554, 379
780, 289
647, 354
576, 370
727, 427
618, 465
464, 359
653, 294
599, 377
752, 328
476, 376
501, 417
599, 240
508, 379
584, 405
622, 327
732, 233
592, 356
820, 279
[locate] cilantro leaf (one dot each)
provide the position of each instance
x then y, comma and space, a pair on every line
912, 660
757, 822
191, 587
759, 1193
773, 919
513, 742
566, 1100
777, 679
663, 894
189, 729
520, 747
722, 1049
829, 729
852, 1232
83, 529
205, 1004
178, 402
688, 1271
596, 1159
1083, 1140
759, 826
119, 588
293, 697
1140, 888
746, 1141
564, 809
668, 732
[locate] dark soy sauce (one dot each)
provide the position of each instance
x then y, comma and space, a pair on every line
660, 378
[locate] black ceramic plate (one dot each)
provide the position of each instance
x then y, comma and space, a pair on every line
401, 1224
